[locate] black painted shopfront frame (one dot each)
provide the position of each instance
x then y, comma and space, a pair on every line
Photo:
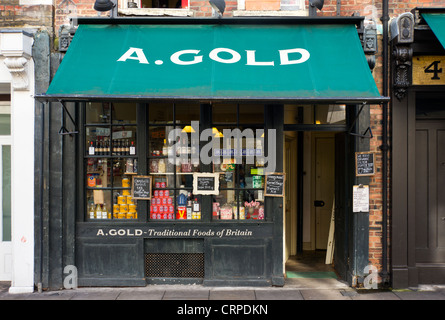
234, 252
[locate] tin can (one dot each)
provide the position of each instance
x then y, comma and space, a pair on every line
169, 201
153, 216
164, 201
132, 208
166, 193
123, 208
121, 200
170, 216
157, 185
130, 200
158, 216
156, 193
163, 184
125, 192
155, 209
130, 215
91, 181
171, 209
115, 211
125, 183
161, 209
161, 193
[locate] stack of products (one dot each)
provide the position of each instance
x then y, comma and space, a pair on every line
125, 208
162, 207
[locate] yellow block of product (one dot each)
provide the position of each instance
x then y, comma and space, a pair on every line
121, 200
125, 183
130, 200
125, 192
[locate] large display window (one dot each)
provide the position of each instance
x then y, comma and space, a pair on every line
170, 137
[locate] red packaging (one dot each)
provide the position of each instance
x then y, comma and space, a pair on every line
162, 185
182, 213
158, 216
164, 201
169, 201
155, 209
157, 185
161, 193
156, 193
166, 193
171, 209
170, 216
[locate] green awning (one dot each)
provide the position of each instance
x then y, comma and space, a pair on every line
436, 21
216, 62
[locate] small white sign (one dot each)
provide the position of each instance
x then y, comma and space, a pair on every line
360, 198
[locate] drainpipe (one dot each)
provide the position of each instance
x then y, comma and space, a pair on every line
384, 147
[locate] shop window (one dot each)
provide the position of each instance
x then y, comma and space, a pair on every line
162, 4
241, 179
110, 160
315, 114
170, 149
292, 5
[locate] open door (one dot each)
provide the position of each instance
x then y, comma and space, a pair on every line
341, 251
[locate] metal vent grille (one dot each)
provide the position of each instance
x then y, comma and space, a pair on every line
174, 265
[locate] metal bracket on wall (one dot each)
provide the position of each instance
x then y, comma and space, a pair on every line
370, 136
63, 130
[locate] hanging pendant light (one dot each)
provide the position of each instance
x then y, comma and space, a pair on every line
103, 5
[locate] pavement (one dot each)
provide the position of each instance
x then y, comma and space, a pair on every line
294, 289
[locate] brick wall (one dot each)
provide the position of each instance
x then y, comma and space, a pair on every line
12, 14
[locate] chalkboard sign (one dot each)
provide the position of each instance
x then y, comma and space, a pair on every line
141, 187
206, 183
364, 163
274, 186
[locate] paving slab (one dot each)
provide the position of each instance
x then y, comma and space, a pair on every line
141, 295
218, 294
314, 283
96, 294
420, 295
278, 295
310, 294
186, 295
387, 295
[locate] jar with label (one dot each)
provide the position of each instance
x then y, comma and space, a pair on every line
226, 212
242, 212
161, 166
154, 166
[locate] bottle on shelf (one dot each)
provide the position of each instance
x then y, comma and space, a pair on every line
98, 211
189, 207
91, 148
132, 148
92, 212
196, 214
107, 147
164, 148
127, 147
104, 211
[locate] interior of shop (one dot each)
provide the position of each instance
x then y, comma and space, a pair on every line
309, 162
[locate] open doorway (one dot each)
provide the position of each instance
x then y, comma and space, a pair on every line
310, 166
308, 212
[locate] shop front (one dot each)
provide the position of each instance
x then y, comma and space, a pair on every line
171, 145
